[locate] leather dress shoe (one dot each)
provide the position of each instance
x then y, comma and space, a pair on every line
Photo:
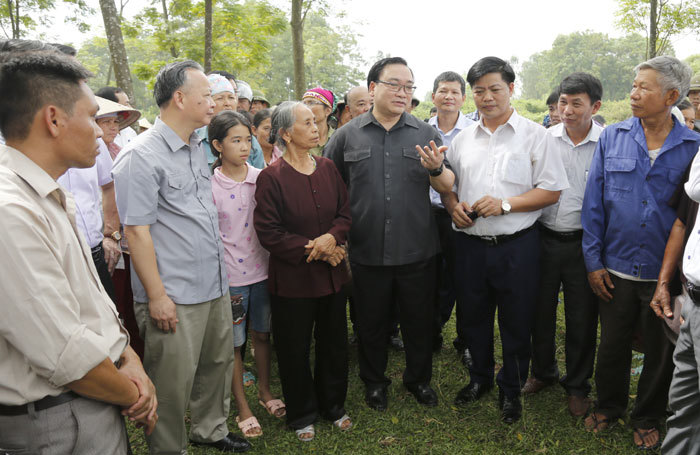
375, 397
230, 443
511, 408
578, 406
472, 392
424, 394
534, 385
396, 342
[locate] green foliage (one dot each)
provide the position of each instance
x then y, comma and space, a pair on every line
331, 60
673, 18
38, 13
694, 62
612, 60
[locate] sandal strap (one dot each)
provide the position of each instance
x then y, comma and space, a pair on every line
339, 423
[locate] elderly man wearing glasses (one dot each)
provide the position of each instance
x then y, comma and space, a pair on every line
384, 159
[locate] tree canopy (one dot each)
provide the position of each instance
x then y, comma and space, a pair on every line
612, 60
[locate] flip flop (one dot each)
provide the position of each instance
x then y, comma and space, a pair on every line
643, 433
598, 423
307, 430
273, 406
341, 425
249, 426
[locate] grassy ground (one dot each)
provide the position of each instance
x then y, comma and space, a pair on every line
409, 428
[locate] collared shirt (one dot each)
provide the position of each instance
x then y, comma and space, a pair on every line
246, 260
125, 136
57, 321
255, 159
565, 215
691, 255
392, 223
508, 162
626, 217
287, 220
276, 154
86, 187
462, 122
163, 182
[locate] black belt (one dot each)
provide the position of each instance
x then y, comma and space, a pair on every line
39, 405
96, 250
494, 240
563, 236
693, 292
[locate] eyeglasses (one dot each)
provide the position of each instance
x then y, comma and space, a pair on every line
395, 87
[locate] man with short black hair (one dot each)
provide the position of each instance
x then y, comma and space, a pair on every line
561, 261
179, 281
449, 94
66, 366
358, 101
552, 118
393, 238
505, 175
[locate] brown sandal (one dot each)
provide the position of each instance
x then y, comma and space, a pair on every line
643, 433
596, 422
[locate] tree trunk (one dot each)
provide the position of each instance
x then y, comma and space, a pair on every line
207, 34
653, 28
297, 24
117, 51
13, 14
168, 32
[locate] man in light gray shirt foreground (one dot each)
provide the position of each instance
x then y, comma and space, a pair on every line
575, 140
179, 280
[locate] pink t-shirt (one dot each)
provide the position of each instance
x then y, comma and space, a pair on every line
246, 260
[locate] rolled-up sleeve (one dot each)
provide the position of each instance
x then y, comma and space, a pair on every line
136, 185
41, 315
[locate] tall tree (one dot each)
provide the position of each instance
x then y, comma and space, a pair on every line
208, 6
297, 24
18, 17
117, 51
612, 60
659, 21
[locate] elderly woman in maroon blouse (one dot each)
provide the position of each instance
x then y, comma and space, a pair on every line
302, 218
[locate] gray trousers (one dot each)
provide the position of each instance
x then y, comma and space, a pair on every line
191, 368
683, 435
81, 426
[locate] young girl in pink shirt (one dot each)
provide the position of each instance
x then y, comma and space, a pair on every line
233, 187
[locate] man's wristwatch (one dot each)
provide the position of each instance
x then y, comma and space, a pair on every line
505, 207
438, 171
116, 236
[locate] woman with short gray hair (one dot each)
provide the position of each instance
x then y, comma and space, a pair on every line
626, 218
302, 218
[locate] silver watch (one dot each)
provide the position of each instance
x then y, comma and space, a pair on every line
505, 206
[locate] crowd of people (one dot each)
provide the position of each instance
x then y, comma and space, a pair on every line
139, 259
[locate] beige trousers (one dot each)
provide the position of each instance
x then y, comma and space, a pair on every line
189, 368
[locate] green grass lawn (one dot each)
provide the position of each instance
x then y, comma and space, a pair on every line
409, 428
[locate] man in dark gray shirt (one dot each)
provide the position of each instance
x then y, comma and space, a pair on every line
393, 239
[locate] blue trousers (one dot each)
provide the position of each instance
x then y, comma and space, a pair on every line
504, 277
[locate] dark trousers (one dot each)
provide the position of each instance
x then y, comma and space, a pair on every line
294, 321
445, 294
503, 277
376, 289
618, 319
98, 257
125, 304
561, 263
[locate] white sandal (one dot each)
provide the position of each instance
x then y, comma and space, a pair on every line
309, 429
341, 421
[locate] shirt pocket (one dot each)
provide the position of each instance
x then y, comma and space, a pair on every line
517, 168
412, 165
357, 163
619, 177
175, 189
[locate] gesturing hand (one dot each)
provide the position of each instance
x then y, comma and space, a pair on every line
431, 157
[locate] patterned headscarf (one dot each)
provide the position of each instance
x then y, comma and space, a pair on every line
219, 83
322, 95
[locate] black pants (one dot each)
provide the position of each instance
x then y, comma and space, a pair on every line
445, 294
293, 323
376, 289
503, 277
618, 319
562, 264
98, 257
